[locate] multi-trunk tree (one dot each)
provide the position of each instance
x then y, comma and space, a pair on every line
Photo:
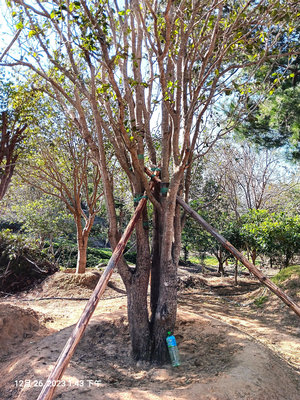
143, 78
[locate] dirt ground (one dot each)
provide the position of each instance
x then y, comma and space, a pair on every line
230, 348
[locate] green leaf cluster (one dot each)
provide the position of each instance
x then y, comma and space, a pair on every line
272, 234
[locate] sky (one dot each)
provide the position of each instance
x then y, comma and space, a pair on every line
3, 25
5, 32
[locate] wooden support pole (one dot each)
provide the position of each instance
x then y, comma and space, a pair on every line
255, 271
67, 352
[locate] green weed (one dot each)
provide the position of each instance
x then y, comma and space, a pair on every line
260, 301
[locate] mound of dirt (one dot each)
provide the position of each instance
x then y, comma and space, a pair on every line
292, 286
268, 304
69, 280
218, 363
16, 324
218, 341
68, 284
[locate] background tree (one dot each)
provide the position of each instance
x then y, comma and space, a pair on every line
42, 217
272, 234
274, 122
215, 208
12, 134
250, 178
120, 69
63, 169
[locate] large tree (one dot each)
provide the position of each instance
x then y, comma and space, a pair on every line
143, 78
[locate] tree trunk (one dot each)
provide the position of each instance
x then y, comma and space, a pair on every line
137, 288
156, 256
236, 272
164, 284
82, 243
221, 267
287, 259
81, 255
253, 256
186, 253
165, 316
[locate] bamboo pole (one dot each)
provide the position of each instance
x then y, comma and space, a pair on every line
255, 271
66, 354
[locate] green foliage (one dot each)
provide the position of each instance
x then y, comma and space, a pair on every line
43, 217
214, 208
21, 262
260, 301
207, 260
272, 234
66, 255
12, 245
276, 122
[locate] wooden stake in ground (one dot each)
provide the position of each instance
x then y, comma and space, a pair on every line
255, 271
66, 354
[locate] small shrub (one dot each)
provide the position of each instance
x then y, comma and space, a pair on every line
21, 262
260, 301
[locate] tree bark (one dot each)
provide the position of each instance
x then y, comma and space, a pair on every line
9, 141
221, 267
155, 255
137, 288
287, 259
81, 255
165, 316
186, 253
164, 308
82, 242
236, 272
253, 256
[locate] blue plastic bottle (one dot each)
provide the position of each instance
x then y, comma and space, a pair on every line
173, 350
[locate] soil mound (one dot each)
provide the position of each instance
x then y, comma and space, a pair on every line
218, 341
68, 284
218, 363
16, 324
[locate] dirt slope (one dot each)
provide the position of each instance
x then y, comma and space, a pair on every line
219, 360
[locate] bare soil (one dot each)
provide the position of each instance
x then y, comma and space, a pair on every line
230, 348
